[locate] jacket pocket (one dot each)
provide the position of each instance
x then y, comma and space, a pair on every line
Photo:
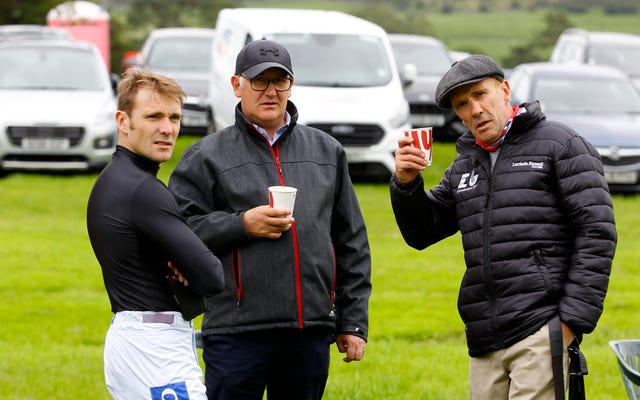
543, 269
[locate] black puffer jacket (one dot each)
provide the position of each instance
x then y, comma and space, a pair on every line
538, 231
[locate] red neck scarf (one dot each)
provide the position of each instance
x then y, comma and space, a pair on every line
496, 145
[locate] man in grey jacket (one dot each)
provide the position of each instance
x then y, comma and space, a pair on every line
293, 283
531, 202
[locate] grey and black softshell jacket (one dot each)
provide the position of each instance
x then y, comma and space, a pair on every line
317, 273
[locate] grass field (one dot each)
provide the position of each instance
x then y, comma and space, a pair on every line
55, 312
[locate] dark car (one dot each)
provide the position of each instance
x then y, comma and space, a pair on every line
599, 102
184, 54
431, 59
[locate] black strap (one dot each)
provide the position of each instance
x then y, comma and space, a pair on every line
577, 364
577, 371
557, 344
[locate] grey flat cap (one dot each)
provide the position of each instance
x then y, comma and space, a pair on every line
470, 69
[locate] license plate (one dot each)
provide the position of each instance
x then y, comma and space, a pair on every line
621, 177
427, 120
45, 143
193, 121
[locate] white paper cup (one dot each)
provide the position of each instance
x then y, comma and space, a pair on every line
282, 197
422, 139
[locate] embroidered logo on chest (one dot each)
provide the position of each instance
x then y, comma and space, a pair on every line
528, 164
468, 180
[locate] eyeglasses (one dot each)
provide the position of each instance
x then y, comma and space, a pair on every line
260, 84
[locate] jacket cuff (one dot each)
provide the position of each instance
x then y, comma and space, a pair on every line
406, 188
352, 330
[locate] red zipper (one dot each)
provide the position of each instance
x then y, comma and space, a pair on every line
275, 151
332, 295
235, 266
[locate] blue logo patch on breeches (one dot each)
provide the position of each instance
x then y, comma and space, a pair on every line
172, 391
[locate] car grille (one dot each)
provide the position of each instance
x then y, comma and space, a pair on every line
193, 107
619, 161
353, 134
73, 133
425, 108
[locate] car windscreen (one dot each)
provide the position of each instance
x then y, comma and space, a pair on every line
336, 60
49, 68
587, 95
191, 54
430, 60
624, 57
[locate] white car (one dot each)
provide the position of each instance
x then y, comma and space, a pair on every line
58, 106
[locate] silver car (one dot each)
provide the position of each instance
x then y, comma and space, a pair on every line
184, 54
58, 105
616, 49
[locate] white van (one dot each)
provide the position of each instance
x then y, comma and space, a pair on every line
346, 80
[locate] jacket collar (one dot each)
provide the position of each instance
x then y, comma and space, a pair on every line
244, 125
142, 162
521, 125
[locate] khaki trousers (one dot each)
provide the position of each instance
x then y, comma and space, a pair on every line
520, 372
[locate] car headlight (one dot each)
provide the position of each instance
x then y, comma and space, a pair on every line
402, 116
105, 130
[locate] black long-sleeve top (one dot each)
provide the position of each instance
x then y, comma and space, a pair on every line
136, 228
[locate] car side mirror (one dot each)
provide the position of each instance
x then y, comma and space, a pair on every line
408, 74
131, 59
115, 80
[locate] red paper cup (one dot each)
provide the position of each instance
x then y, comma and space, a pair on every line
422, 139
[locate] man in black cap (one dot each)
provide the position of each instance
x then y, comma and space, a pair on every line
293, 286
531, 203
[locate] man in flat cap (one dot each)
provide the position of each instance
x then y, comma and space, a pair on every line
293, 285
537, 225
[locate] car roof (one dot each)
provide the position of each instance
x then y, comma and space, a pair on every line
74, 44
573, 70
614, 37
264, 21
32, 31
410, 38
181, 31
603, 37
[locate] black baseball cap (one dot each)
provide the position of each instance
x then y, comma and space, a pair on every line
470, 69
260, 55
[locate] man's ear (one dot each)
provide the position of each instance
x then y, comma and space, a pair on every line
506, 88
235, 83
122, 121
